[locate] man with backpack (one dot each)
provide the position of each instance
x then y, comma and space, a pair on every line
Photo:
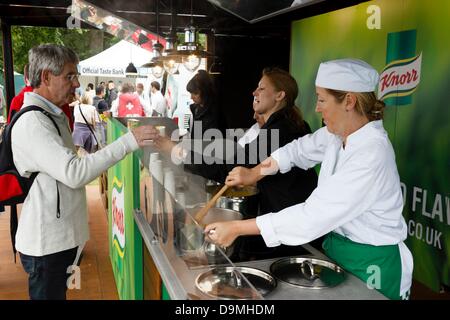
53, 225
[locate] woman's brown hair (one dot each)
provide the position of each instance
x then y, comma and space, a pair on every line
283, 81
367, 103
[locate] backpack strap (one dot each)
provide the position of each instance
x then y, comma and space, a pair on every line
13, 221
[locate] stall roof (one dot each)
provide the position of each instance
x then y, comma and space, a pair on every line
206, 14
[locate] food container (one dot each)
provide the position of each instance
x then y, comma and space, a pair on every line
308, 272
193, 239
243, 200
229, 283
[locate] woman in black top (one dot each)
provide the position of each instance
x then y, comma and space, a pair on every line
274, 100
204, 109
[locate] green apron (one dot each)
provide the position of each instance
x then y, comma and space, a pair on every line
378, 266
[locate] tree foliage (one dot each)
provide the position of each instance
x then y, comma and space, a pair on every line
85, 42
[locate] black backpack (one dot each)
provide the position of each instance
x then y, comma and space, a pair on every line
13, 187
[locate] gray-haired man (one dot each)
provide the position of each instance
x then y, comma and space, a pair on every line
53, 224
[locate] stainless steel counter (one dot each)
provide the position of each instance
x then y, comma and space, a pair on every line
179, 279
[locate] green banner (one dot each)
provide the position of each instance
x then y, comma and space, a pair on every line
405, 41
125, 242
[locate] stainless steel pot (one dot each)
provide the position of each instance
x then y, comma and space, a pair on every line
243, 200
195, 239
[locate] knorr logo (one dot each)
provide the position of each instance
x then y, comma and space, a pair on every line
400, 78
118, 218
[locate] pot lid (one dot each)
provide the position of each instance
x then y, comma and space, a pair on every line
229, 283
308, 272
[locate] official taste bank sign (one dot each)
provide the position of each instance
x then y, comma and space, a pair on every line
95, 71
118, 219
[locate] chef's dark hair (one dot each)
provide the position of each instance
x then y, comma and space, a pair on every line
283, 81
366, 105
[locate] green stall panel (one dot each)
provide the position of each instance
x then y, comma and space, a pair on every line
125, 241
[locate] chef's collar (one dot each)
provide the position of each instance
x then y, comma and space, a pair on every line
363, 133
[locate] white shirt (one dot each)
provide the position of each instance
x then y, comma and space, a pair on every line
159, 103
145, 103
250, 135
37, 147
358, 193
89, 112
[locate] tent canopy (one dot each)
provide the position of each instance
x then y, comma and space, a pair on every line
113, 61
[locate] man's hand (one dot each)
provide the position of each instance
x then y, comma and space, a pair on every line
145, 135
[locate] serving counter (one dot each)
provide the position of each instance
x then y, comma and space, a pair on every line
189, 267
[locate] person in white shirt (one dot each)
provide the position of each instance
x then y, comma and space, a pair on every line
144, 98
86, 120
158, 102
358, 200
53, 224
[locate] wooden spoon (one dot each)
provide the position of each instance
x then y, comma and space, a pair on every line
203, 211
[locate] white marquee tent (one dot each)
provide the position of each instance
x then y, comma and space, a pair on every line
111, 63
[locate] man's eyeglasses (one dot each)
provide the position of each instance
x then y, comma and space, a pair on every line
73, 76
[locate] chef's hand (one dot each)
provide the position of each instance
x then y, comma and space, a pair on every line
240, 177
145, 135
222, 233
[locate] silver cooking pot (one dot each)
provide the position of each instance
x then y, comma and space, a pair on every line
243, 200
196, 238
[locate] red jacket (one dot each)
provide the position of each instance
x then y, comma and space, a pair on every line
17, 103
130, 105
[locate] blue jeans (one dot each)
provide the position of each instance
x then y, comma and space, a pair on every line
47, 275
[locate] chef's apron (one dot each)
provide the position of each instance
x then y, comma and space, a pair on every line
359, 259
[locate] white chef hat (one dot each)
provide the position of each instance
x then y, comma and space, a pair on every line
347, 75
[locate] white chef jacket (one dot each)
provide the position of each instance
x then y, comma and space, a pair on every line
358, 193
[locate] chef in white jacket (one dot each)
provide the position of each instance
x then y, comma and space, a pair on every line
358, 200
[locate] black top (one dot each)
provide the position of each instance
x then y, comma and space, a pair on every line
276, 192
100, 104
284, 190
209, 117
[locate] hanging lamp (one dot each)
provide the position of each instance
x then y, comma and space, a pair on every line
155, 63
191, 50
171, 58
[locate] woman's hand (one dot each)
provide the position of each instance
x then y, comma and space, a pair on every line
241, 176
164, 144
222, 233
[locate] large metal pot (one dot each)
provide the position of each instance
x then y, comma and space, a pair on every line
210, 249
243, 200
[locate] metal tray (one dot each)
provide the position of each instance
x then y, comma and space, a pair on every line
308, 272
227, 283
